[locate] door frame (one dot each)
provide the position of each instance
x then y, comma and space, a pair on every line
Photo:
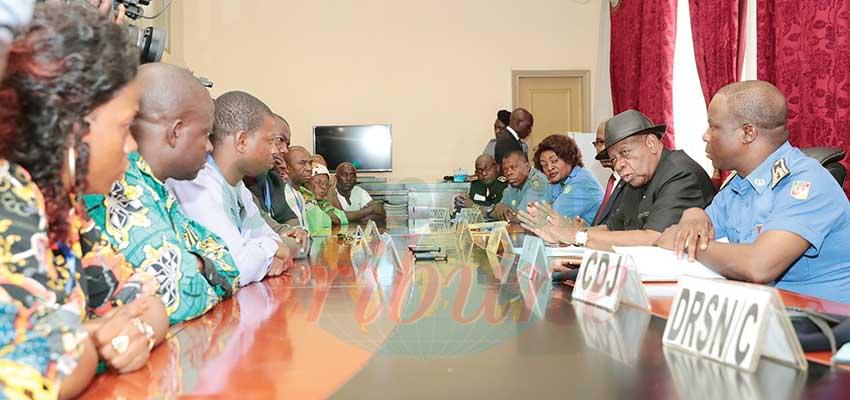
582, 74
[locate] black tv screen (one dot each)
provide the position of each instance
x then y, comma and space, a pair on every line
368, 147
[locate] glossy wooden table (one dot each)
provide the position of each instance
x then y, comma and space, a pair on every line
462, 328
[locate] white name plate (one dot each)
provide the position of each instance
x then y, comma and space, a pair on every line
499, 241
607, 279
532, 259
733, 323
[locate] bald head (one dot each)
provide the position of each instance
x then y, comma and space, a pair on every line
168, 92
486, 169
600, 131
522, 121
298, 162
346, 166
760, 104
346, 178
484, 158
174, 122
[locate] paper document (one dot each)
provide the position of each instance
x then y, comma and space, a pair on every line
558, 251
655, 264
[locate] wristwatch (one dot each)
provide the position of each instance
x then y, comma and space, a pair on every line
581, 237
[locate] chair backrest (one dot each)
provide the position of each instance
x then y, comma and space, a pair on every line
830, 158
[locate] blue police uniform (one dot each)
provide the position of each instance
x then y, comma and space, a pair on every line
577, 195
535, 188
794, 193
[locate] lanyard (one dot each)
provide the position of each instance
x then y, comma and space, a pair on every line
267, 196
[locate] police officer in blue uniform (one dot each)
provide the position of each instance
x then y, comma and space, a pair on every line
785, 217
526, 185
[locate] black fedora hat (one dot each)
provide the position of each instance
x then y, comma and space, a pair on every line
625, 124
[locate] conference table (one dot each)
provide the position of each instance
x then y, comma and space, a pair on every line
464, 327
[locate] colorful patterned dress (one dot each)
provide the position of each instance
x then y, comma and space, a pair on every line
46, 291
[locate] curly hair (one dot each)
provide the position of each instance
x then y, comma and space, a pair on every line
563, 146
67, 62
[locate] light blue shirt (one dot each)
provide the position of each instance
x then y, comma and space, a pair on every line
535, 188
578, 195
794, 193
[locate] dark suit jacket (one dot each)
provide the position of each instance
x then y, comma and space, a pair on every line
613, 203
679, 183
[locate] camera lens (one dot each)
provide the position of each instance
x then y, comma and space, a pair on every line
150, 41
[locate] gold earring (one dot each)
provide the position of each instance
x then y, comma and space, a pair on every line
72, 163
72, 169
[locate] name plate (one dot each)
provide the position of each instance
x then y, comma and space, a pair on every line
360, 255
465, 244
536, 295
386, 253
470, 215
371, 231
607, 279
460, 228
532, 260
499, 241
733, 323
438, 214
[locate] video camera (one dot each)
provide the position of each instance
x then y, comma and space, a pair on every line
150, 40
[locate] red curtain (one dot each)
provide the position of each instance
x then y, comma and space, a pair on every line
718, 42
718, 28
643, 35
804, 49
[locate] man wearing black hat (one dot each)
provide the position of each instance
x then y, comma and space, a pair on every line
512, 137
660, 185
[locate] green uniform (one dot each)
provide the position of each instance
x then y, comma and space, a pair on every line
484, 194
535, 188
318, 214
142, 219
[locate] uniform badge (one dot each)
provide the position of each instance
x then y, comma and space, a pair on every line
800, 190
760, 182
778, 172
535, 184
513, 203
568, 189
502, 179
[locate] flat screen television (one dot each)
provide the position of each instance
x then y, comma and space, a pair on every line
368, 147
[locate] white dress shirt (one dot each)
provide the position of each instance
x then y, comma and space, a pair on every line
359, 199
230, 212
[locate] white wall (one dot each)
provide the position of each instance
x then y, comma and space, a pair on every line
436, 70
